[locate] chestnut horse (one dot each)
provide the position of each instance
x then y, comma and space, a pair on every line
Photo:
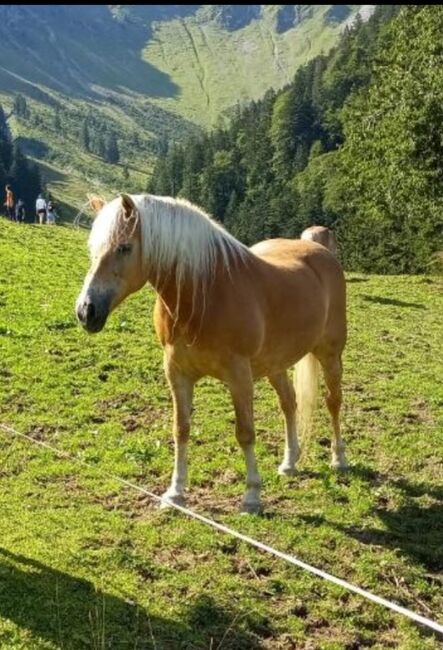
322, 235
227, 311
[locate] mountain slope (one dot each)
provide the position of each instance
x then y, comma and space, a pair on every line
226, 64
147, 73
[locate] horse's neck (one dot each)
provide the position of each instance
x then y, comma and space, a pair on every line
186, 305
176, 294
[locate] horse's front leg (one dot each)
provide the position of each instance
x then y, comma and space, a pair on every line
182, 390
242, 391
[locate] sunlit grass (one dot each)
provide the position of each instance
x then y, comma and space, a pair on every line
88, 563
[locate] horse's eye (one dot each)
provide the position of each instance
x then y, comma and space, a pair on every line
124, 249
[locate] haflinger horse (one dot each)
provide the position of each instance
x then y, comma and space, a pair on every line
322, 235
224, 310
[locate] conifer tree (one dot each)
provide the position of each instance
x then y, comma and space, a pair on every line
84, 136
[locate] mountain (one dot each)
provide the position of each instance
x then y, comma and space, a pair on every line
144, 75
346, 145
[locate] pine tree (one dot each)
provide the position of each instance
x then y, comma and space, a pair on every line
3, 181
84, 136
33, 189
18, 170
112, 154
174, 166
192, 169
25, 179
57, 121
4, 128
5, 142
21, 107
160, 182
100, 148
162, 145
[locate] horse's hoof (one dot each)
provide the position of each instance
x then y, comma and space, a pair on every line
251, 508
169, 500
285, 470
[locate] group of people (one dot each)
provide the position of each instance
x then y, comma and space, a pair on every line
16, 211
45, 211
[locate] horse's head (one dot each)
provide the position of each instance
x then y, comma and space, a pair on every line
116, 269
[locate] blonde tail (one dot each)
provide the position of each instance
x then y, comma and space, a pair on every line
306, 376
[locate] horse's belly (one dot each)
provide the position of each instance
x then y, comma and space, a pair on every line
288, 338
271, 362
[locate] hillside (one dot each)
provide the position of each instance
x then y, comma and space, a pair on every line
346, 145
85, 562
146, 73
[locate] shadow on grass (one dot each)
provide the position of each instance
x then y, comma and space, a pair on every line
414, 529
410, 489
393, 302
71, 613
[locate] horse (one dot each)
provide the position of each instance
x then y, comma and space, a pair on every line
324, 236
224, 310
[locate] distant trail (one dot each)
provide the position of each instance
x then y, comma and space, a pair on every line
202, 76
205, 40
275, 54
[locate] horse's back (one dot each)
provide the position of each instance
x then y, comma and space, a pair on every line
297, 253
309, 277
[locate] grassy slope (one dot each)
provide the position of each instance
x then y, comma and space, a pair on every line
87, 563
223, 68
70, 172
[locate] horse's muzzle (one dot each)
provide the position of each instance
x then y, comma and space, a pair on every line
93, 312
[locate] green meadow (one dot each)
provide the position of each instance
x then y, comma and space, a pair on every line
86, 562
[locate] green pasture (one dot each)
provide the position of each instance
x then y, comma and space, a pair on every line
88, 563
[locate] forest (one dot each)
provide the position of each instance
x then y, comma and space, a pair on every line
354, 143
15, 168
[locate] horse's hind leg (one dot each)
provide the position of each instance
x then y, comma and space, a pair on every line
332, 370
182, 390
286, 395
241, 387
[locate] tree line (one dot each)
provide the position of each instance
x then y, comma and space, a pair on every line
15, 168
95, 134
354, 143
97, 137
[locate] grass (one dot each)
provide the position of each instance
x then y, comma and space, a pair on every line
88, 563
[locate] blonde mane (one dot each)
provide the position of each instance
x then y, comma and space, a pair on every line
176, 236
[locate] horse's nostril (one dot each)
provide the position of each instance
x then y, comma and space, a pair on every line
90, 311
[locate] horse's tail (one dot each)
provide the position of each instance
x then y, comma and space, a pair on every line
306, 379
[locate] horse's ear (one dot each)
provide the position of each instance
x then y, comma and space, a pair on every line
95, 202
128, 205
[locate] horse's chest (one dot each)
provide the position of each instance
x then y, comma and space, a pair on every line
197, 361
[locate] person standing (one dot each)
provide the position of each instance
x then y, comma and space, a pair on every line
51, 214
20, 211
9, 203
40, 209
